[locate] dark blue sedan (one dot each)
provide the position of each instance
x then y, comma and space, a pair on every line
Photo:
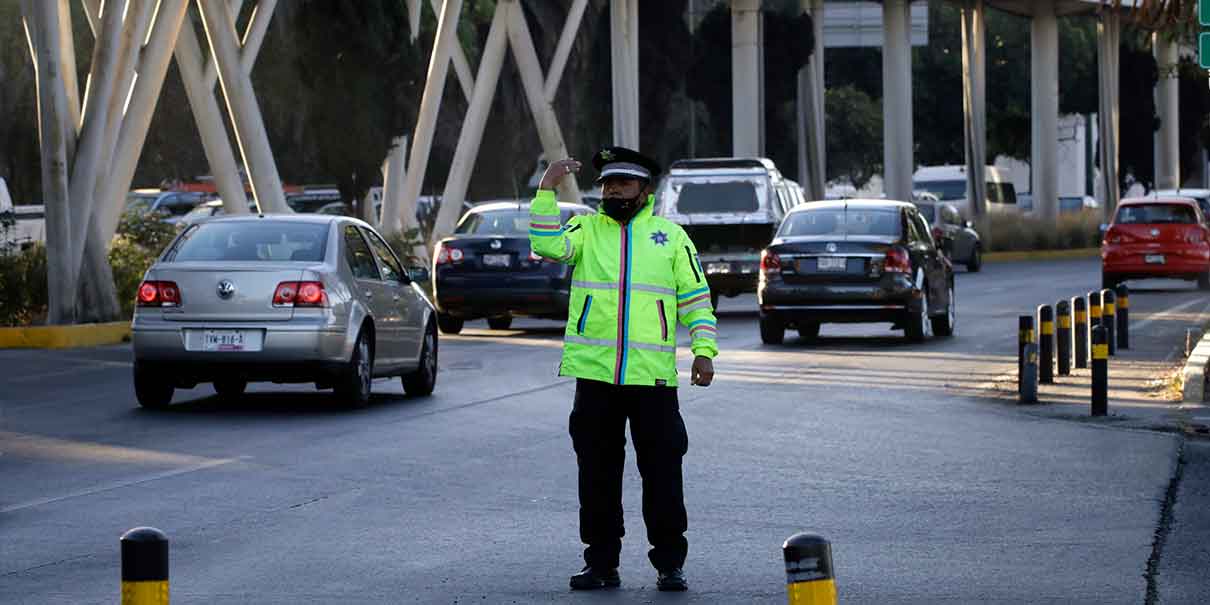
487, 270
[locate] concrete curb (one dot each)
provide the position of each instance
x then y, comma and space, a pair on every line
1000, 257
1194, 374
64, 337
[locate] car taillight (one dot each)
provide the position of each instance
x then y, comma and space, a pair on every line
300, 294
770, 262
159, 294
448, 255
897, 261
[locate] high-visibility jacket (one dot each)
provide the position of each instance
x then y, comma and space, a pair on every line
630, 286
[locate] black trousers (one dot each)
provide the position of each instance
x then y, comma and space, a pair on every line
598, 433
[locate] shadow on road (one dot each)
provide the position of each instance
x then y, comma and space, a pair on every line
320, 403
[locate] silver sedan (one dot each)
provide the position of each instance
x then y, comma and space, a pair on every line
295, 298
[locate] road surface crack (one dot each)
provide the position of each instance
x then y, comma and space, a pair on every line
1164, 528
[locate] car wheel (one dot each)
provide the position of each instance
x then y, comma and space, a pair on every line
500, 323
808, 330
449, 324
772, 331
943, 325
918, 325
976, 260
152, 391
422, 382
1203, 281
353, 387
230, 388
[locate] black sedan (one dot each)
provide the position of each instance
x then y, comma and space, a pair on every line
855, 261
486, 269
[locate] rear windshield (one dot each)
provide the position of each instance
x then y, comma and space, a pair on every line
501, 222
1155, 214
262, 240
739, 196
843, 222
928, 211
944, 190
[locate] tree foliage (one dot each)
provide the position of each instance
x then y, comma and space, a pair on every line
854, 141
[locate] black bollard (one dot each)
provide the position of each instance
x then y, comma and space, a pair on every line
1094, 312
1027, 380
1100, 371
1080, 335
1063, 337
1025, 335
1123, 292
1108, 319
1046, 344
144, 567
809, 573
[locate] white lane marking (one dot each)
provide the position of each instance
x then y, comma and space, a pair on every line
105, 487
1166, 312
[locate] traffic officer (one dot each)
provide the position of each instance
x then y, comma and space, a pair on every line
636, 275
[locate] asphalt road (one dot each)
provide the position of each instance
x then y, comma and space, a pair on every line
931, 490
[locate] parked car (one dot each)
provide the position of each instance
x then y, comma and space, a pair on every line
1151, 237
855, 261
206, 210
948, 183
955, 236
730, 208
311, 199
1201, 196
282, 298
171, 205
21, 225
487, 269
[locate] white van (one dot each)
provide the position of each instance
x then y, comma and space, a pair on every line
948, 183
20, 226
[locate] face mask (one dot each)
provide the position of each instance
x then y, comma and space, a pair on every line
620, 209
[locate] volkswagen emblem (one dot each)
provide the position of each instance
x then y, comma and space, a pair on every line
1155, 233
831, 247
226, 289
496, 244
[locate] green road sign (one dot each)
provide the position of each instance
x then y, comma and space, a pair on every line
1203, 49
1203, 12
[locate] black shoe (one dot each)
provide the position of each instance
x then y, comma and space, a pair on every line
672, 580
593, 579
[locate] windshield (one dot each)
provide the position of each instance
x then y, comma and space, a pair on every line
1155, 214
720, 195
945, 190
262, 240
139, 203
880, 222
501, 222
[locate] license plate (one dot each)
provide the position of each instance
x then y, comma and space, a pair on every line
229, 340
834, 263
713, 268
496, 260
1154, 259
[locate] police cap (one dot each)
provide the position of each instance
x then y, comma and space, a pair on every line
623, 162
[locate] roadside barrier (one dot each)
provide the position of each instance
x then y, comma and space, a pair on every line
809, 572
1100, 371
1046, 344
1063, 337
1094, 311
1123, 292
1027, 380
144, 567
1025, 336
1108, 312
1080, 307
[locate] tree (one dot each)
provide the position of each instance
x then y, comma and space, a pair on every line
854, 141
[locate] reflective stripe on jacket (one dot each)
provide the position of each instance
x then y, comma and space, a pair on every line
631, 285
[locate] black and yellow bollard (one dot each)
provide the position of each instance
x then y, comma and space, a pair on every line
1027, 380
1046, 344
144, 567
1108, 319
809, 573
1094, 312
1123, 292
1080, 333
1063, 337
1100, 371
1025, 335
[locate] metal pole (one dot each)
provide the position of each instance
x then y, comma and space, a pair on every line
810, 578
462, 67
210, 125
747, 95
558, 65
1044, 106
469, 139
1167, 109
624, 50
897, 99
1109, 319
531, 79
243, 108
1025, 336
1027, 385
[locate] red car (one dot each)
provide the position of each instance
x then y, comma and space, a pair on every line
1164, 237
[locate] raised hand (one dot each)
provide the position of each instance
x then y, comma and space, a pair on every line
556, 172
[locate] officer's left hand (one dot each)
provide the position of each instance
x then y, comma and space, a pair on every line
703, 371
